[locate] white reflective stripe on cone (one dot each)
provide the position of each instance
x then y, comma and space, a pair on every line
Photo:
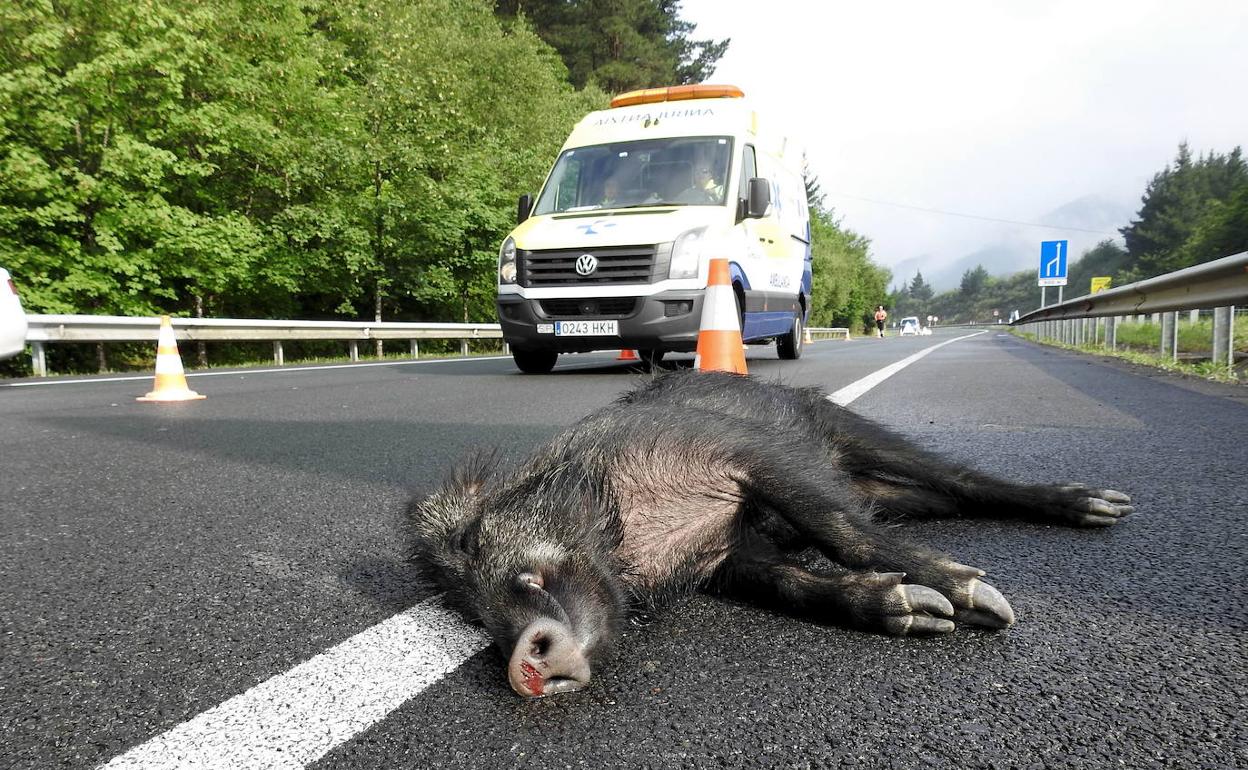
720, 310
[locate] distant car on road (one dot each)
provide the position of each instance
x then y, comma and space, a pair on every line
910, 325
12, 318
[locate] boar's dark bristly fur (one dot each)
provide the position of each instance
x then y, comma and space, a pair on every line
715, 482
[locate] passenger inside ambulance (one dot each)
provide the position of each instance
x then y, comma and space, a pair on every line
707, 187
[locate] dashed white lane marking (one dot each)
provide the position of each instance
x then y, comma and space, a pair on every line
295, 718
852, 391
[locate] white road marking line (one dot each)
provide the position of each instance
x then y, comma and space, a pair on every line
248, 372
297, 717
852, 391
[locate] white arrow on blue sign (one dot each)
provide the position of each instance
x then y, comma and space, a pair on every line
1053, 262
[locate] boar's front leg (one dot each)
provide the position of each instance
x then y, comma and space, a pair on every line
814, 500
756, 571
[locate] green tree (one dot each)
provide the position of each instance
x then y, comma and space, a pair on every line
620, 45
974, 281
1174, 204
443, 148
145, 149
919, 289
846, 284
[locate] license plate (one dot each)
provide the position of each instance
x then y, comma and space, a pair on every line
587, 328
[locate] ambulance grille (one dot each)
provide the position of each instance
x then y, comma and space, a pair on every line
604, 307
616, 264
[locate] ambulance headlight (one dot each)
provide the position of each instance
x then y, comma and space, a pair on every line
687, 253
507, 261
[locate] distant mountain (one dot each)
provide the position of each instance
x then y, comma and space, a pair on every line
1018, 250
1092, 212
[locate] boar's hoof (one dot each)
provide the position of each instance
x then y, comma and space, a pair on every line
1095, 507
547, 660
915, 610
985, 606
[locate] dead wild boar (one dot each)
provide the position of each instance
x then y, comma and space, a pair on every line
713, 482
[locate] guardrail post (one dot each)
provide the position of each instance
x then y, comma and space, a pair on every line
279, 356
1194, 316
38, 359
415, 348
463, 347
1111, 332
506, 349
1169, 324
1223, 322
353, 349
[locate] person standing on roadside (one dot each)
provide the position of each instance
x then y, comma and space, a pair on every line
881, 315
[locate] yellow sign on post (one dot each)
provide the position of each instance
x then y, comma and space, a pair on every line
1101, 283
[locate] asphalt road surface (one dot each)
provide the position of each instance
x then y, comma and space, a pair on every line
223, 583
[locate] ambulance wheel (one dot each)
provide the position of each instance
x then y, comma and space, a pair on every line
535, 361
790, 345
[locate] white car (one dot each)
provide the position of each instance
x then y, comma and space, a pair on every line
12, 318
910, 325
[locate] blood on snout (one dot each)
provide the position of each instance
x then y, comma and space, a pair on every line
533, 681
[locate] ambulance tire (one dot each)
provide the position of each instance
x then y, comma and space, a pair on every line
535, 361
789, 346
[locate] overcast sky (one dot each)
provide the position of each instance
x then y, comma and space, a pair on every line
1004, 109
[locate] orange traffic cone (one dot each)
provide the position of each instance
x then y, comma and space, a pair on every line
170, 382
628, 355
719, 337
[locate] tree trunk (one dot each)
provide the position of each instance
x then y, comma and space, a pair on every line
201, 347
377, 318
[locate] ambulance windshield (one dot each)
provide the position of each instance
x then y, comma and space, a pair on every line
679, 171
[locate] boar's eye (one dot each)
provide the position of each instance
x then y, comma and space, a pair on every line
467, 539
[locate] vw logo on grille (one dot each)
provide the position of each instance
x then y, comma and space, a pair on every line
586, 264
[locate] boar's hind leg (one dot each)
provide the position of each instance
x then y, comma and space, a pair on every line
758, 573
814, 501
909, 482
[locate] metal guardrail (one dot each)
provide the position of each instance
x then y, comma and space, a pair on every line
826, 331
47, 329
44, 329
1220, 284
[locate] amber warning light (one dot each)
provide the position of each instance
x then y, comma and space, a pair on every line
676, 94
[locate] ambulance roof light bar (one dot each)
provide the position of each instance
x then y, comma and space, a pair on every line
676, 94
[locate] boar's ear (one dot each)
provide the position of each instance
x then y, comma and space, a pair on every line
439, 518
472, 474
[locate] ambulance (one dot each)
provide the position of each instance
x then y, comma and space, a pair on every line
613, 251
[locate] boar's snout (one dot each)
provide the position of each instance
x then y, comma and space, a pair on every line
547, 660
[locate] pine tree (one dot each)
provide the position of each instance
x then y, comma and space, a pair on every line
919, 289
620, 45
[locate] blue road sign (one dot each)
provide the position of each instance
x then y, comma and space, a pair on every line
1053, 262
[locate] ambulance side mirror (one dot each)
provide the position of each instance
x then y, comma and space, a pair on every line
523, 207
760, 198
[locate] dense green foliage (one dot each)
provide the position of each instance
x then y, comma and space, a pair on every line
283, 158
620, 45
1193, 211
